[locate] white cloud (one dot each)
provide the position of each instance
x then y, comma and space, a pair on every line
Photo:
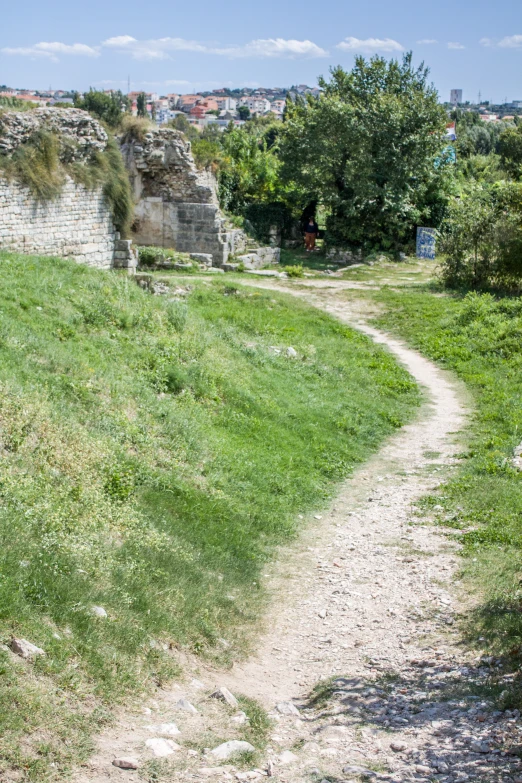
161, 48
370, 45
153, 49
486, 42
273, 47
427, 41
511, 42
455, 45
52, 49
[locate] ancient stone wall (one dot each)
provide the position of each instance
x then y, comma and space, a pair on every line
176, 205
78, 222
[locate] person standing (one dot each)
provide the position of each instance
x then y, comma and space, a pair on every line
311, 231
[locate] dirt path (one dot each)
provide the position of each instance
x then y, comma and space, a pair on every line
367, 596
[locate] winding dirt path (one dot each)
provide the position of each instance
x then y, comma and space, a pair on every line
367, 595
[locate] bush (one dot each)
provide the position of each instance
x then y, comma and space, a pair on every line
294, 271
482, 238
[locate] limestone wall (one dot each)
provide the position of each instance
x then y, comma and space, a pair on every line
76, 225
176, 205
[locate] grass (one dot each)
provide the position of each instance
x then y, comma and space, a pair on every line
155, 452
479, 337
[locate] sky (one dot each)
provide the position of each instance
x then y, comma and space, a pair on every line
170, 47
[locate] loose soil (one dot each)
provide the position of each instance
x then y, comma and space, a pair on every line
364, 610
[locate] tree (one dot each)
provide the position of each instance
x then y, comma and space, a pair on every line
371, 148
141, 104
244, 113
510, 149
108, 107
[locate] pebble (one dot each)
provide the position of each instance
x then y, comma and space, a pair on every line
287, 757
186, 706
25, 649
230, 748
287, 708
223, 694
161, 747
126, 762
99, 611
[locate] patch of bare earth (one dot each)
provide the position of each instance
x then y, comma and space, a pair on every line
364, 605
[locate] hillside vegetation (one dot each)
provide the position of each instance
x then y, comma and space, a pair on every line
154, 451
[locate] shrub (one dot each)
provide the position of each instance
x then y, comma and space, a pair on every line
294, 271
482, 238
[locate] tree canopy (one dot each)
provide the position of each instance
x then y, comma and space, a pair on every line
371, 148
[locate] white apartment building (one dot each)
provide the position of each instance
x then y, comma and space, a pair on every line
256, 105
224, 103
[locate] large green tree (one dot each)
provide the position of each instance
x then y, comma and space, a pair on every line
371, 148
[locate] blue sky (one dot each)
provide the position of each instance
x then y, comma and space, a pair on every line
176, 47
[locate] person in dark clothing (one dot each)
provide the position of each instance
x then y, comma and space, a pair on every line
311, 231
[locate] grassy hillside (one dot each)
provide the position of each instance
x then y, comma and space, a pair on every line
153, 451
480, 338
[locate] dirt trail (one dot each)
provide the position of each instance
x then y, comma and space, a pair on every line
366, 596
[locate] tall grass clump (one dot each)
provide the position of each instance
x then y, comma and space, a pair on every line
154, 453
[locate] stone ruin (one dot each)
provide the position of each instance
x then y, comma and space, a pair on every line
177, 205
78, 223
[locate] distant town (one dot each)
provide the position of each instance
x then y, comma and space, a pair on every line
222, 106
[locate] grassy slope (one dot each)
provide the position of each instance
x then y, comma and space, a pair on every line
480, 338
153, 453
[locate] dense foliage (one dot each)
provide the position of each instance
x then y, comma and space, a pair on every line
371, 148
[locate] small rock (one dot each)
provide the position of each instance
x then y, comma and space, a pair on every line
223, 694
322, 613
479, 747
240, 718
98, 611
291, 352
161, 747
362, 771
287, 757
186, 706
26, 649
126, 762
398, 747
287, 708
166, 729
197, 684
230, 748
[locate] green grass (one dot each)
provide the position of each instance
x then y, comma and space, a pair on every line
154, 453
480, 339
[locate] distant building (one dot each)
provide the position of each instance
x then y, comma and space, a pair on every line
226, 104
455, 97
256, 105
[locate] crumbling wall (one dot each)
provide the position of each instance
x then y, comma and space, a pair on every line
77, 223
176, 205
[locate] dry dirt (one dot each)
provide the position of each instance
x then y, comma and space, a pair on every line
365, 604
